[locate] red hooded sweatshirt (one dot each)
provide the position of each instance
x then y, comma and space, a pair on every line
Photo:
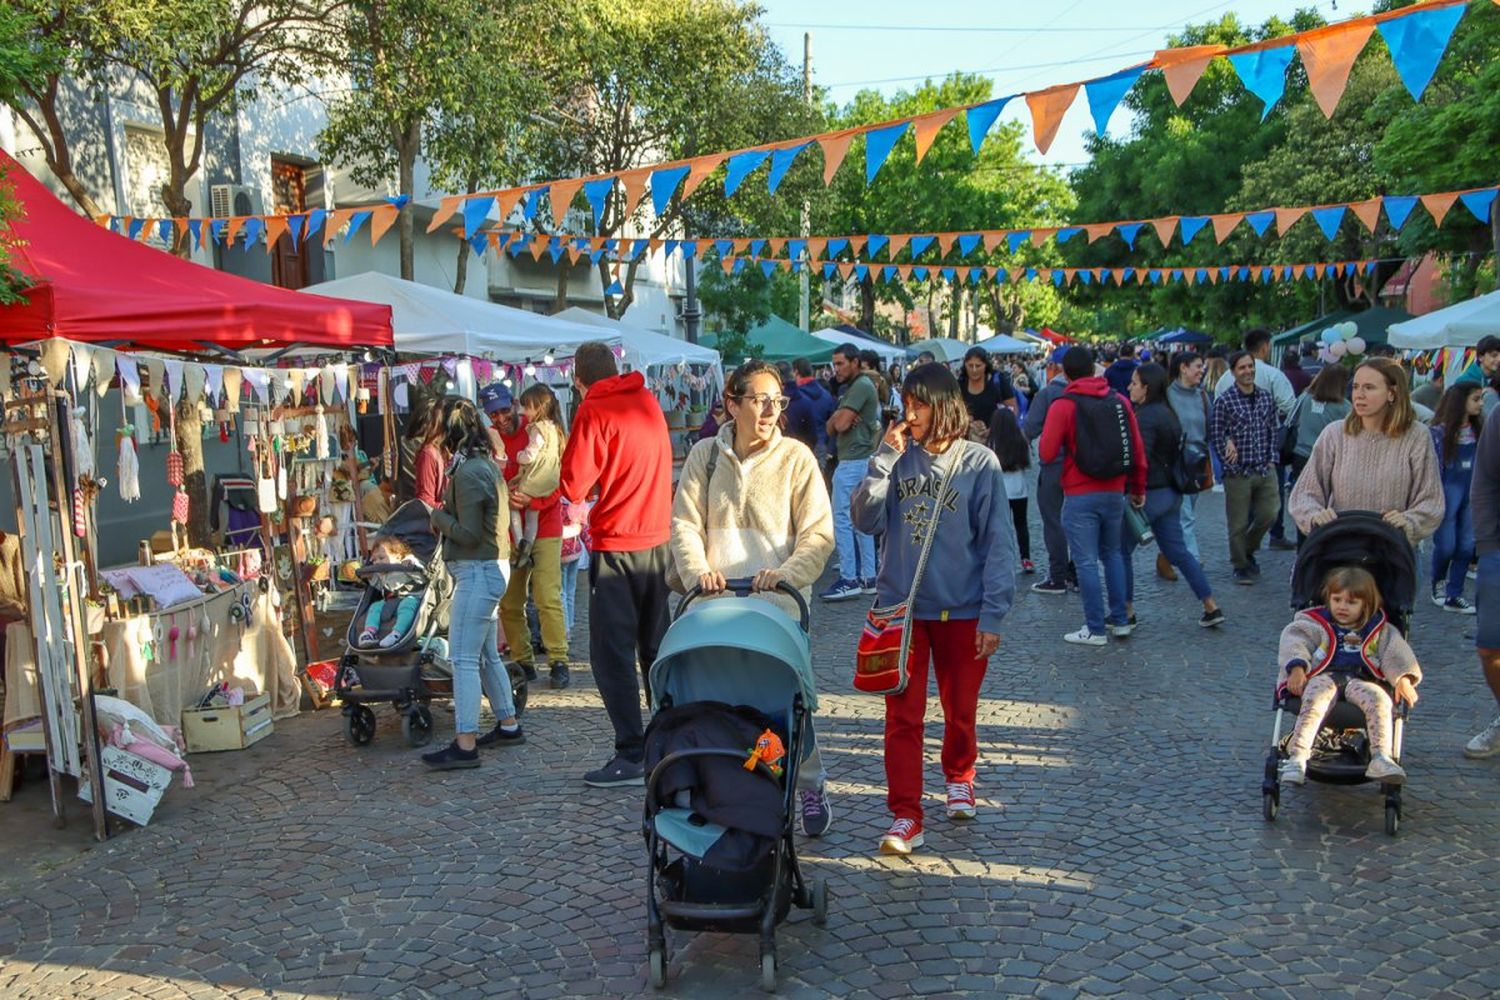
620, 444
1060, 435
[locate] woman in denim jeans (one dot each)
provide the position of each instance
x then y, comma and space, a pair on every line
472, 523
1455, 434
1161, 434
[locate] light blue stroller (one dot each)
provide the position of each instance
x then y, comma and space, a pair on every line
719, 833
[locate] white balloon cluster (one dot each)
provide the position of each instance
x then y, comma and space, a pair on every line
1341, 340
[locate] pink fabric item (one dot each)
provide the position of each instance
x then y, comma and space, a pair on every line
122, 737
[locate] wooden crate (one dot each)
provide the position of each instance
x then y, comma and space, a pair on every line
132, 785
232, 727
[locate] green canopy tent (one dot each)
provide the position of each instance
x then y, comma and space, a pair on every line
780, 341
1372, 324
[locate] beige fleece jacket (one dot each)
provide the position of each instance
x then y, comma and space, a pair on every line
770, 511
540, 461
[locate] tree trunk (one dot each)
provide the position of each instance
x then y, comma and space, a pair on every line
867, 305
560, 302
194, 479
53, 138
461, 270
406, 159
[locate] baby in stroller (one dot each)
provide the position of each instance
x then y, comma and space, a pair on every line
400, 593
1346, 645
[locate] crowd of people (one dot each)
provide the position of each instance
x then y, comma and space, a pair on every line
885, 470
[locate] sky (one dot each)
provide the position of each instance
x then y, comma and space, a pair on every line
892, 45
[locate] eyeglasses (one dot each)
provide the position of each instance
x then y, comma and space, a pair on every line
762, 401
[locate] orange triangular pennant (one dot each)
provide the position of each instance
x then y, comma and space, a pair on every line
1367, 212
945, 243
1328, 54
1437, 205
698, 172
181, 225
846, 269
634, 183
562, 194
1225, 224
727, 264
992, 241
1165, 227
895, 246
382, 217
775, 246
1141, 273
1047, 110
445, 211
275, 229
1286, 218
1098, 231
926, 128
1069, 273
336, 221
1213, 276
539, 246
815, 247
1040, 236
1256, 271
740, 246
232, 228
1182, 67
834, 147
507, 200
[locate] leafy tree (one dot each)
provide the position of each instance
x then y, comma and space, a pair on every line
22, 62
735, 304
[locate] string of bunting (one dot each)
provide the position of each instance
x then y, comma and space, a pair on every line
1416, 36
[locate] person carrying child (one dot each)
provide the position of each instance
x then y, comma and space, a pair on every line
395, 585
540, 465
1348, 645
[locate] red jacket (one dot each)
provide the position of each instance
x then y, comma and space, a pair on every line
548, 508
620, 444
1060, 435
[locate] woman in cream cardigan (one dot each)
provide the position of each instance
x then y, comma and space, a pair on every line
752, 503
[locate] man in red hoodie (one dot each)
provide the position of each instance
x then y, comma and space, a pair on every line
620, 445
1094, 429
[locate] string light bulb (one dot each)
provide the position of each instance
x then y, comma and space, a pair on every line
547, 358
531, 371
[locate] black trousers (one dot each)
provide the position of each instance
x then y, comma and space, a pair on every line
1023, 530
627, 617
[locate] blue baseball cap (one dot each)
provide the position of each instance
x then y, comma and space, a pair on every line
495, 397
1056, 357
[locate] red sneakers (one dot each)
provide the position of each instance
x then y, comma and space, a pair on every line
961, 800
904, 836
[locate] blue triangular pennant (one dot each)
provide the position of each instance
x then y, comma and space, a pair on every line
1154, 276
1017, 240
878, 145
1348, 269
476, 210
740, 166
478, 244
919, 273
1200, 276
689, 249
836, 247
1224, 273
294, 224
114, 223
873, 245
399, 201
1001, 274
669, 247
596, 256
919, 245
1031, 274
356, 220
796, 267
756, 246
216, 230
1129, 231
315, 220
981, 117
724, 247
502, 238
781, 162
1328, 219
597, 192
134, 229
1176, 274
796, 248
887, 273
1263, 72
615, 288
975, 273
1067, 233
639, 247
1058, 277
768, 267
967, 243
1260, 221
164, 231
739, 264
195, 231
1479, 202
664, 184
860, 272
1105, 94
1191, 226
947, 273
1369, 266
1398, 209
829, 270
529, 206
520, 243
1127, 274
252, 229
1085, 276
555, 249
1417, 41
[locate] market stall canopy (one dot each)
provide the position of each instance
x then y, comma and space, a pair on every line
942, 348
430, 320
1002, 343
1053, 337
1372, 325
95, 286
1459, 325
644, 348
781, 341
837, 336
1185, 336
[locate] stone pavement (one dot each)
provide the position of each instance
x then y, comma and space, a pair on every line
1120, 849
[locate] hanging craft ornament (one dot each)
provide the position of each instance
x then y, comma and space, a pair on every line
321, 430
128, 466
180, 506
80, 513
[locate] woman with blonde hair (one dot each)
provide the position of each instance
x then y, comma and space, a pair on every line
1379, 458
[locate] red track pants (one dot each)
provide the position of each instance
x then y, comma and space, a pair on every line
949, 646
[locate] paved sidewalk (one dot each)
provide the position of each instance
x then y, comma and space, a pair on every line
1119, 850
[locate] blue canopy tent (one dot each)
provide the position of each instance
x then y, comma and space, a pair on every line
1185, 336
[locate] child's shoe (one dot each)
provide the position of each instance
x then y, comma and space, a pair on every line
1294, 771
390, 640
522, 559
904, 836
961, 800
1382, 768
367, 637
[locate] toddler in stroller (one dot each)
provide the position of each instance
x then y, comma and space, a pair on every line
399, 590
1346, 670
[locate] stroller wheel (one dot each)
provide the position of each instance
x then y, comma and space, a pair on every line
416, 726
1392, 818
1270, 804
820, 902
658, 968
518, 685
359, 725
768, 971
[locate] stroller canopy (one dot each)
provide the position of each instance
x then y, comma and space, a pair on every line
412, 523
739, 651
1357, 538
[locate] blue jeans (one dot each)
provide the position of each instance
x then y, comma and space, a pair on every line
1166, 524
473, 624
570, 588
1453, 544
856, 549
1093, 522
1189, 522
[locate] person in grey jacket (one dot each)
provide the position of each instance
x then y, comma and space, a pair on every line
925, 467
473, 524
1049, 494
1189, 401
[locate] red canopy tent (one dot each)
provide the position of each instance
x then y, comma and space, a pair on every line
1054, 336
93, 285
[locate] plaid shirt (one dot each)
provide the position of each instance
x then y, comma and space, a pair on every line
1251, 422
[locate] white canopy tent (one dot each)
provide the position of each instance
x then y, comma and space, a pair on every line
427, 320
942, 348
1459, 325
890, 354
1002, 343
644, 348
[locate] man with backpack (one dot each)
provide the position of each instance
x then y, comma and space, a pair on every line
1242, 430
1093, 429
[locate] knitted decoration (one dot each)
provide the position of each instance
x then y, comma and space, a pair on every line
180, 507
174, 468
80, 514
128, 468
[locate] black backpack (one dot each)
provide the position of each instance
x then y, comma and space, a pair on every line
1103, 447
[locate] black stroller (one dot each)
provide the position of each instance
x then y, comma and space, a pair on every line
1341, 749
415, 669
718, 820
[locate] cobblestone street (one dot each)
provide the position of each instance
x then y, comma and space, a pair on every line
1119, 850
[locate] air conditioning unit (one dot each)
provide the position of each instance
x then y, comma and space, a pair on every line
227, 200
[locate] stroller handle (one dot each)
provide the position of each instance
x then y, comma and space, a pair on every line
740, 587
373, 568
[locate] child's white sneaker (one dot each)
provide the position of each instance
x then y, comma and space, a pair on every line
1382, 768
1294, 771
390, 640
